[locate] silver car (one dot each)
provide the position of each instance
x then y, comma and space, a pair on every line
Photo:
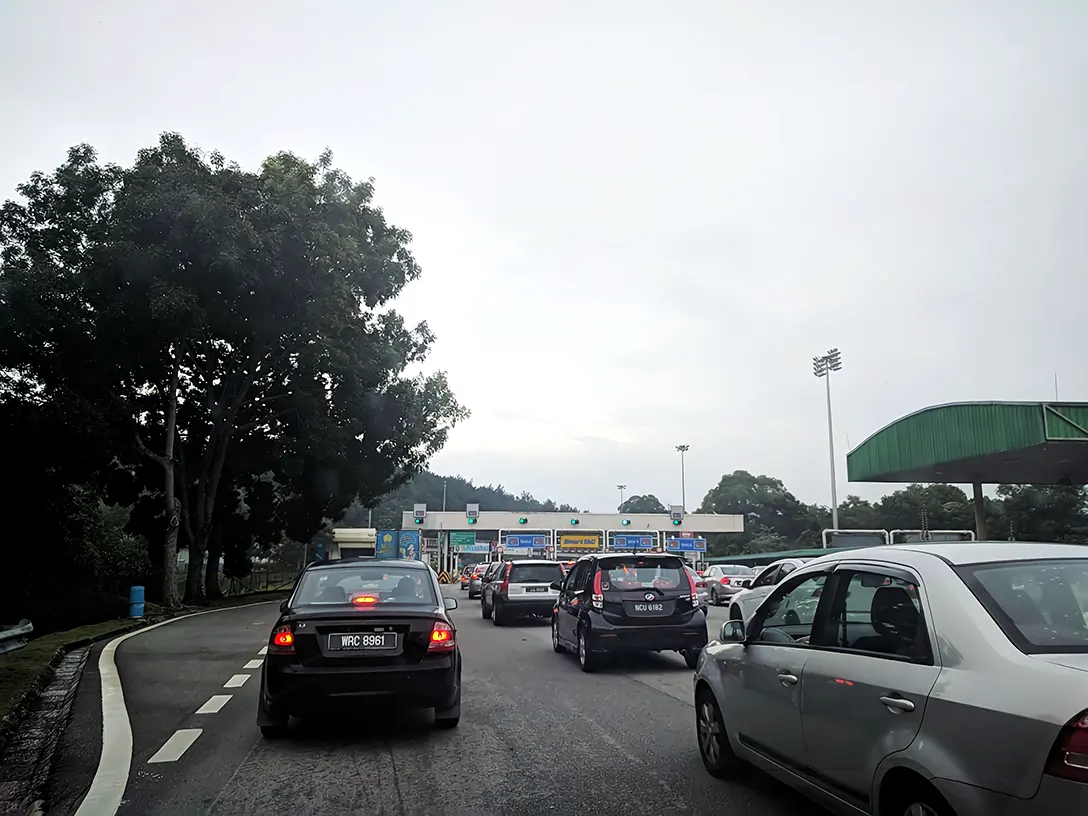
944, 679
521, 588
744, 602
475, 579
723, 581
700, 588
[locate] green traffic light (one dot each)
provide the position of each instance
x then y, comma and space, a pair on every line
574, 521
676, 522
523, 521
472, 521
419, 521
625, 522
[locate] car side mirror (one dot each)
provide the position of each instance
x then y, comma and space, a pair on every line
283, 606
556, 586
732, 632
449, 603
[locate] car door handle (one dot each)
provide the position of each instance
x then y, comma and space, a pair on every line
787, 679
898, 704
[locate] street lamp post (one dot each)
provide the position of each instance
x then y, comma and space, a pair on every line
621, 488
683, 487
822, 366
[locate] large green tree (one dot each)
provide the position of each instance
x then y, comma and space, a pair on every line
205, 305
642, 504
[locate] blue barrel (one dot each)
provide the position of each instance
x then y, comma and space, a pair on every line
136, 602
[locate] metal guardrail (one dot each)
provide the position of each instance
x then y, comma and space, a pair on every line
15, 637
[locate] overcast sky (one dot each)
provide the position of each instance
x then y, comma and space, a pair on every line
639, 221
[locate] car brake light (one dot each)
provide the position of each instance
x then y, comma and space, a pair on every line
505, 586
725, 581
691, 585
364, 599
597, 601
442, 639
1069, 757
283, 640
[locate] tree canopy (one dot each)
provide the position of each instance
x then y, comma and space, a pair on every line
226, 340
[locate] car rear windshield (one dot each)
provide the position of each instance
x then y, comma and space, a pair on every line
636, 573
535, 573
1042, 606
400, 586
737, 569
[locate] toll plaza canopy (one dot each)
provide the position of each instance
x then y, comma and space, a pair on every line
979, 443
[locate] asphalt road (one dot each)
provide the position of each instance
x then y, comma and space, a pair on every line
536, 735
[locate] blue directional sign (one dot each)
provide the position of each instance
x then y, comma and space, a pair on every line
632, 542
526, 542
685, 544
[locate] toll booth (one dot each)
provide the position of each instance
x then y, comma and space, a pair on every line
691, 548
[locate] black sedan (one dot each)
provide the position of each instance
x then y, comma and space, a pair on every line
361, 630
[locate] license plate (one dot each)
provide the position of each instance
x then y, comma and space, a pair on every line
363, 642
648, 608
536, 589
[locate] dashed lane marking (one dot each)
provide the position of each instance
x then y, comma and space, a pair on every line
215, 704
263, 651
178, 744
237, 681
253, 664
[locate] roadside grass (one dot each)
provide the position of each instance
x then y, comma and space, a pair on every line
27, 669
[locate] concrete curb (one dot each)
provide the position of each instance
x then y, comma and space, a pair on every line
17, 718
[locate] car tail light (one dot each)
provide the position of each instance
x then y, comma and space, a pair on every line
597, 601
505, 586
1069, 757
442, 639
725, 581
283, 640
694, 589
363, 600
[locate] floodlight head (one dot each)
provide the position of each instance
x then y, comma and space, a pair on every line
819, 367
834, 359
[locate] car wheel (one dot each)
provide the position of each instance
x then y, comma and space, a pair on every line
278, 731
587, 659
557, 647
714, 599
714, 747
498, 612
448, 717
691, 657
485, 610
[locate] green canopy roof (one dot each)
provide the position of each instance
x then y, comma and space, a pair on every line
979, 442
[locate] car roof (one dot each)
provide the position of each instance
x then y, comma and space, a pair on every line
532, 561
963, 553
609, 556
362, 560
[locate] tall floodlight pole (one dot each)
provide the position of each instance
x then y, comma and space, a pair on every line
822, 366
621, 488
683, 487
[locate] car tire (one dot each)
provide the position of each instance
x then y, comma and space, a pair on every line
277, 731
557, 646
499, 613
691, 657
446, 718
714, 747
588, 660
714, 599
485, 610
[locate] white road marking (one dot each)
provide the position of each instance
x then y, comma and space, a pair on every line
237, 681
253, 664
108, 786
215, 704
177, 745
263, 651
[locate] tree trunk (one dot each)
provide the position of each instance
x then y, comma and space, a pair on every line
194, 576
172, 505
211, 566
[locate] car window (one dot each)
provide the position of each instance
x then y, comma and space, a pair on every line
1042, 606
640, 572
405, 586
767, 577
788, 615
786, 570
878, 613
535, 573
579, 577
735, 569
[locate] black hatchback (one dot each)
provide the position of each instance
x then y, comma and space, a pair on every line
357, 630
628, 603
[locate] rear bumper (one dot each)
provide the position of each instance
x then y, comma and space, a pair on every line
1054, 796
290, 688
692, 635
519, 606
